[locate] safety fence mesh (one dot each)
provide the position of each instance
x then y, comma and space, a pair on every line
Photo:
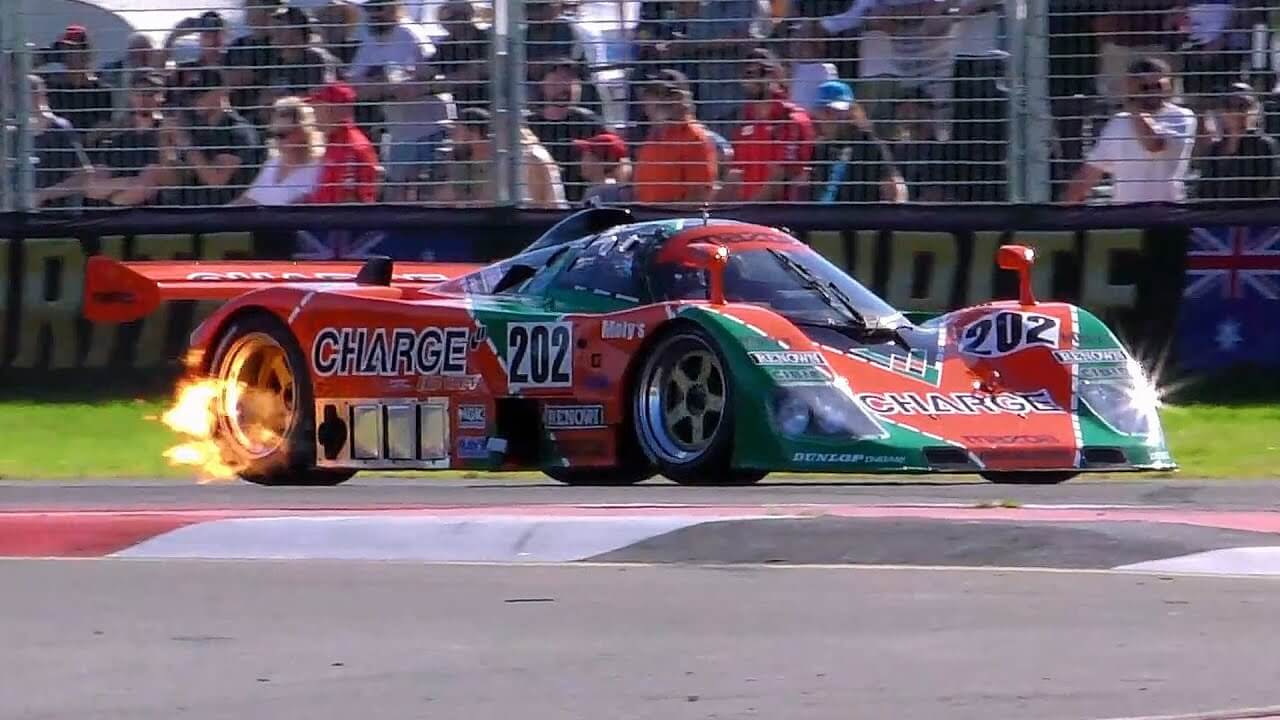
197, 103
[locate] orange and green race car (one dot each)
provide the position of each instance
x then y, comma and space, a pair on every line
610, 351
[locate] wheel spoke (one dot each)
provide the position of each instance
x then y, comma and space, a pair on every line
715, 403
676, 415
696, 435
680, 379
704, 368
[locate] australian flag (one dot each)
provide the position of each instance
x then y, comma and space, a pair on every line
1230, 313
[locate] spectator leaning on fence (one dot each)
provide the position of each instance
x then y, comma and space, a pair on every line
59, 164
127, 160
1245, 162
214, 150
677, 162
295, 157
1146, 148
350, 168
773, 137
851, 165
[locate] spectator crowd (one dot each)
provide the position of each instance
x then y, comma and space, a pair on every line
723, 101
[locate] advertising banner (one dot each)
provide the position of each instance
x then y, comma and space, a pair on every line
1133, 278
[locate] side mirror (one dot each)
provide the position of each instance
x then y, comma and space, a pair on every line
1019, 258
713, 258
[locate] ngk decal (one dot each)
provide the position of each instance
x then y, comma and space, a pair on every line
393, 351
911, 403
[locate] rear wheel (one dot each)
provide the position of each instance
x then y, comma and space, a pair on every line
265, 408
683, 411
1028, 477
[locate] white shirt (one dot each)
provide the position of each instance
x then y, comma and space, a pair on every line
1141, 176
404, 48
269, 188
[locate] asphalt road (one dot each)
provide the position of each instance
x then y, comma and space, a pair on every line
374, 491
211, 640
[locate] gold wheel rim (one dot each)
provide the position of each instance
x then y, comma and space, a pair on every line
259, 395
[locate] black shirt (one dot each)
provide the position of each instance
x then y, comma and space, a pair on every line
317, 67
557, 137
1251, 173
851, 169
56, 155
456, 54
231, 135
256, 55
84, 106
125, 152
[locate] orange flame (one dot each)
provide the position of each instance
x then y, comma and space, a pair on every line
194, 415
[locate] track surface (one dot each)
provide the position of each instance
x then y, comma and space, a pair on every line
718, 634
373, 491
213, 640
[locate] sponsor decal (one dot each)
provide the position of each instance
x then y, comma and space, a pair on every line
304, 276
787, 357
621, 330
799, 375
570, 417
473, 447
539, 355
1103, 372
821, 457
1005, 332
597, 381
450, 383
391, 352
913, 403
1009, 440
473, 417
1075, 357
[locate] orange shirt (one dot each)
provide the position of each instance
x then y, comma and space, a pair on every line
676, 159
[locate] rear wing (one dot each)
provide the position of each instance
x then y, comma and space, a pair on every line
116, 292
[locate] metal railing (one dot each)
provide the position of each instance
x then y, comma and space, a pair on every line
554, 104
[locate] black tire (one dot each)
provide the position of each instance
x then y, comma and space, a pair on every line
1028, 477
686, 454
602, 477
292, 462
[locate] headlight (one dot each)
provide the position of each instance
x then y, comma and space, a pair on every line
1128, 403
822, 410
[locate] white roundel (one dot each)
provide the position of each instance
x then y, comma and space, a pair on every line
1008, 331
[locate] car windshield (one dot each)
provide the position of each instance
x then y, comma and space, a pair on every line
763, 276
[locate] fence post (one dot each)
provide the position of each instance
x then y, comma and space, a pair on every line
1038, 118
1014, 76
507, 90
15, 100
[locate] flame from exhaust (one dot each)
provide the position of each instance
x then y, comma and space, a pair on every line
194, 415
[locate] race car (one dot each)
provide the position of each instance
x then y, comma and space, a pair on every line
705, 350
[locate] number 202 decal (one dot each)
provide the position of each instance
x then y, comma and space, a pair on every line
539, 355
1004, 332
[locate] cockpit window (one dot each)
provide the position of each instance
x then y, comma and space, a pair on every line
610, 265
758, 276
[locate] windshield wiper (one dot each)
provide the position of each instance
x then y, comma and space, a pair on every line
830, 293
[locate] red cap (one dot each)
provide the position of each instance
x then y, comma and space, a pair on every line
335, 93
75, 35
605, 146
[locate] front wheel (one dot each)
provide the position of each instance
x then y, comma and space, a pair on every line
1028, 477
264, 406
683, 411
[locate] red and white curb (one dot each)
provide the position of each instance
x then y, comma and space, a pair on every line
530, 533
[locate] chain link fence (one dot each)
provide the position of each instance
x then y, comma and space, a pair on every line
547, 104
